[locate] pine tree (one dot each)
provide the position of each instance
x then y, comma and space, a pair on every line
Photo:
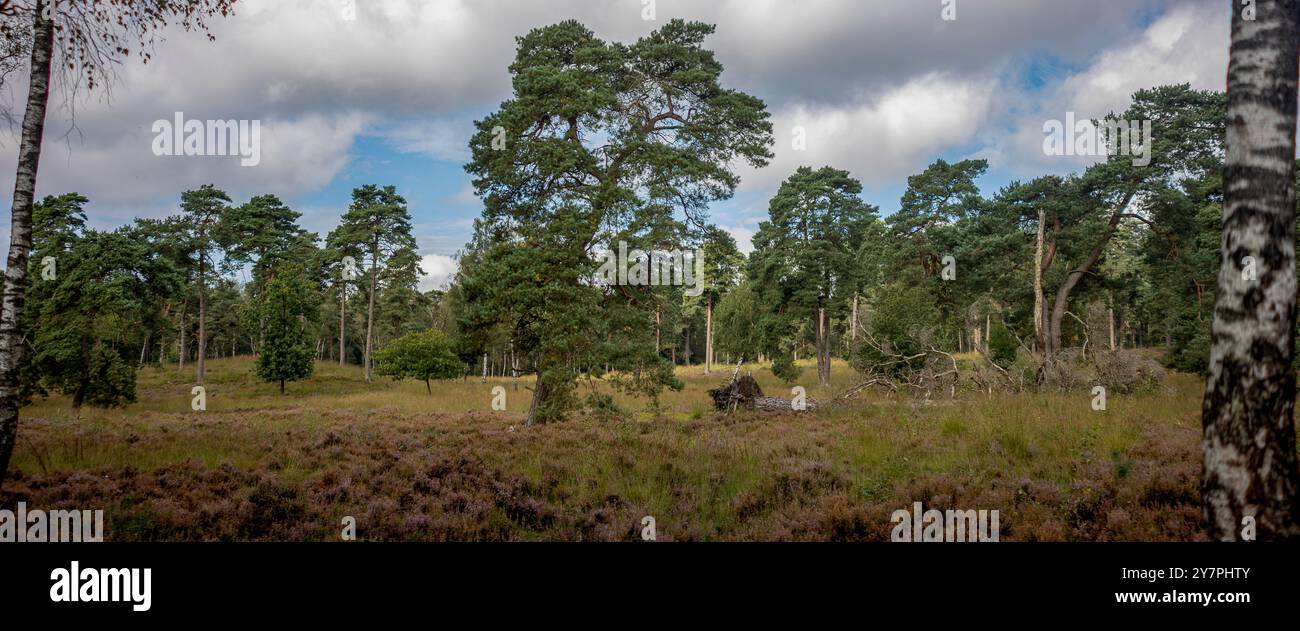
377, 225
600, 142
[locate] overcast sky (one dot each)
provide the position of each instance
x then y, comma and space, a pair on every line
386, 93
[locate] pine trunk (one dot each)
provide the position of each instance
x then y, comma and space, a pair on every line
203, 310
180, 343
823, 349
708, 335
343, 321
1039, 336
370, 311
539, 397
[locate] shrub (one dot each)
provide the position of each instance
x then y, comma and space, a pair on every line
1127, 372
785, 369
895, 334
1002, 346
425, 356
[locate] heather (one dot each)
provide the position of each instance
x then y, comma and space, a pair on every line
410, 465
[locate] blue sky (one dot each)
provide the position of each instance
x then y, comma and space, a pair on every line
881, 88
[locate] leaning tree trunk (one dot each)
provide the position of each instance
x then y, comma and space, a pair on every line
1062, 301
540, 393
1039, 338
1250, 442
20, 232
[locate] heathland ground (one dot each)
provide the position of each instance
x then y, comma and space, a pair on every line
408, 465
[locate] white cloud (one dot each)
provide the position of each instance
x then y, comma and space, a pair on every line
882, 87
466, 195
441, 139
117, 167
744, 238
881, 140
1188, 44
437, 271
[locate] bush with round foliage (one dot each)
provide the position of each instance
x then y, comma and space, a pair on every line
425, 355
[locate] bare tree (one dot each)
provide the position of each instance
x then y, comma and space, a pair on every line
90, 40
1249, 443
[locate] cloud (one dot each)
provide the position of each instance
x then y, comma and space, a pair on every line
1187, 44
437, 271
440, 139
466, 195
744, 238
880, 140
117, 168
882, 88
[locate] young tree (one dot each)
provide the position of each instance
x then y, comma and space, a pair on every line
92, 37
204, 209
263, 232
288, 308
804, 251
601, 141
723, 263
1248, 412
424, 355
739, 323
378, 224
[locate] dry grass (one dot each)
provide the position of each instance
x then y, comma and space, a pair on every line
258, 465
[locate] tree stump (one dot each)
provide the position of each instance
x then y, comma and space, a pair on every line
743, 392
738, 393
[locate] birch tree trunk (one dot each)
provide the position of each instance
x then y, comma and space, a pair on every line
658, 344
988, 321
1250, 442
1110, 314
853, 324
20, 232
